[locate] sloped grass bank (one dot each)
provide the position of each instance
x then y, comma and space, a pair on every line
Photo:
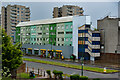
87, 68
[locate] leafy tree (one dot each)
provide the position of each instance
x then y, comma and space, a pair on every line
11, 54
96, 29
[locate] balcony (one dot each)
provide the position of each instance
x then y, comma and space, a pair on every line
27, 13
27, 10
13, 11
13, 8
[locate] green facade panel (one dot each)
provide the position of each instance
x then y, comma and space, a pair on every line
52, 34
45, 34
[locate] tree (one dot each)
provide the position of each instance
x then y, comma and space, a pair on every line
11, 54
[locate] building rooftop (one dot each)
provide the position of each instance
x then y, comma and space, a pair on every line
46, 21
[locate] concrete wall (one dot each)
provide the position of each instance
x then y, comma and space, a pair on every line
110, 32
66, 50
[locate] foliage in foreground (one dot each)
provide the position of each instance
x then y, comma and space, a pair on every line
11, 54
78, 77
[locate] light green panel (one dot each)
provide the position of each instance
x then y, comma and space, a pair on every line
23, 35
45, 34
33, 35
28, 30
39, 34
60, 34
68, 33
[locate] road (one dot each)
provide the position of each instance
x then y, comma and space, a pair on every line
70, 71
67, 62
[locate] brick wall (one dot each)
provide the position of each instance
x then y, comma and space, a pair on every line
22, 68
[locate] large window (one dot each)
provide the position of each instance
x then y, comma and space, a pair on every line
95, 34
95, 42
60, 32
39, 33
69, 32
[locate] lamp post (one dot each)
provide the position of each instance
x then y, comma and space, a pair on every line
82, 54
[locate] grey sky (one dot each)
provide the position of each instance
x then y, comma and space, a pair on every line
97, 10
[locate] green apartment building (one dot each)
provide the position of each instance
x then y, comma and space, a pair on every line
56, 37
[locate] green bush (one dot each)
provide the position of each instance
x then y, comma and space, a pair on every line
83, 78
58, 74
96, 79
49, 73
74, 77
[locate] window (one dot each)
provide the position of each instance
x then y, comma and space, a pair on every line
47, 28
21, 8
95, 34
37, 39
60, 32
71, 26
34, 39
62, 39
66, 39
69, 32
41, 39
39, 33
47, 39
62, 27
47, 33
17, 14
62, 45
40, 28
58, 39
17, 11
58, 27
70, 44
17, 8
82, 31
21, 11
54, 28
51, 28
58, 44
95, 42
52, 33
66, 26
96, 50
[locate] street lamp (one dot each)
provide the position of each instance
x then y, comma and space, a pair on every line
82, 54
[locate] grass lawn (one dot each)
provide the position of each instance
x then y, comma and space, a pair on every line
24, 75
96, 69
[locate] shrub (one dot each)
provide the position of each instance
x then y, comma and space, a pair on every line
83, 78
58, 74
74, 77
49, 73
96, 79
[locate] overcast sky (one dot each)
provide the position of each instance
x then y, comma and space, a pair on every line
97, 10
